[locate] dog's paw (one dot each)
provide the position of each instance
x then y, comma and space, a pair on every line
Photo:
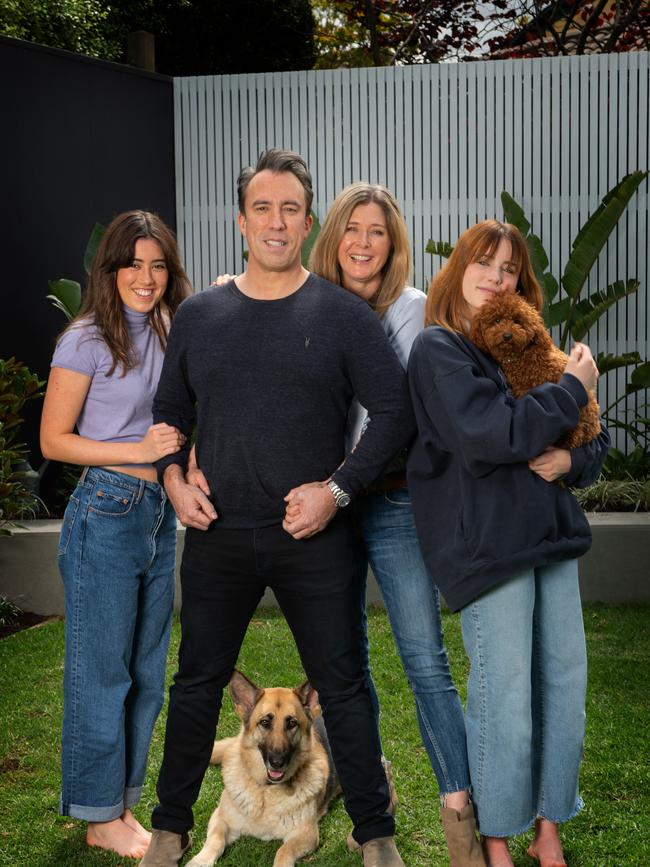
199, 861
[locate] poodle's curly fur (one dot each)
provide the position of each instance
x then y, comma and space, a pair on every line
509, 329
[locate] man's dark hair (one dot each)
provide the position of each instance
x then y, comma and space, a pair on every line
276, 160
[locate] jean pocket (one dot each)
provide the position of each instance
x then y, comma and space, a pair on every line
68, 525
398, 497
111, 501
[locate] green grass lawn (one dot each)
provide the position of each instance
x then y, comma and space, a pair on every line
612, 831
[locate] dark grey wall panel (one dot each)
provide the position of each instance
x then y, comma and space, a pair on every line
81, 141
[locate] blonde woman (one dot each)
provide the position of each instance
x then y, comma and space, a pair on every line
364, 247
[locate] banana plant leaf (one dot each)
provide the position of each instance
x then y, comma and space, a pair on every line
639, 378
608, 361
514, 214
439, 248
92, 245
558, 312
66, 295
311, 240
589, 310
592, 237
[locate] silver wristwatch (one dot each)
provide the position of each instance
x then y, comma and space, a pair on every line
341, 498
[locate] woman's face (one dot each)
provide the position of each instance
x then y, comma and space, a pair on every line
364, 250
142, 284
489, 275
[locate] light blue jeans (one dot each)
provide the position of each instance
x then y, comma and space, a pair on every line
412, 603
116, 558
525, 712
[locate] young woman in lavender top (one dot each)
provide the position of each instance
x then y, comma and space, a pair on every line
364, 247
117, 545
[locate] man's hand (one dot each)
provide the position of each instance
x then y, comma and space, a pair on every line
552, 464
309, 510
191, 505
194, 475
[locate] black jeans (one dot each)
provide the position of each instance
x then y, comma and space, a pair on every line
223, 576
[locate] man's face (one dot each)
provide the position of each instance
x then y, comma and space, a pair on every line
274, 222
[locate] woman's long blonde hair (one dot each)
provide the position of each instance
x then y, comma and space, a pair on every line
324, 259
445, 303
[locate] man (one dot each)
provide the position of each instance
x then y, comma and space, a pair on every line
268, 365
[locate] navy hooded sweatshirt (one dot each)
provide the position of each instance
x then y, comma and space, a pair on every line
482, 515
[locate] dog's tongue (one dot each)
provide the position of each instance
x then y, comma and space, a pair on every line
275, 775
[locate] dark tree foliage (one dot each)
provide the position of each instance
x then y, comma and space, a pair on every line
214, 37
539, 28
386, 32
193, 37
76, 25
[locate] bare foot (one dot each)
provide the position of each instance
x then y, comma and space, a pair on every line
129, 819
116, 836
496, 852
546, 847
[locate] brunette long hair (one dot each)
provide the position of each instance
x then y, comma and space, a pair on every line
324, 259
102, 304
445, 303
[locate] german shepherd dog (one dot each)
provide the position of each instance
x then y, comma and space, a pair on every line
278, 773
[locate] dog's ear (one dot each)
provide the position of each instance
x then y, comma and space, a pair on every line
244, 694
308, 698
476, 334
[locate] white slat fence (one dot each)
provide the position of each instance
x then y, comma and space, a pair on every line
446, 139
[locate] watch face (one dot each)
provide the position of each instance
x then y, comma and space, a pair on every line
343, 500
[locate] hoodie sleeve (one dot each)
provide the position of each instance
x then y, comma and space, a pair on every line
473, 416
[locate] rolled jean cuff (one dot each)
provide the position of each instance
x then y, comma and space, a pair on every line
560, 821
131, 796
92, 814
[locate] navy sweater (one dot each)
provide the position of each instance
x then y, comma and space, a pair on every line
482, 515
269, 385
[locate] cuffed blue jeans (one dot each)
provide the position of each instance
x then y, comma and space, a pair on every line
116, 558
525, 710
413, 606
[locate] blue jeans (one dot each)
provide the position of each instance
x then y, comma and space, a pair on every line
116, 558
526, 698
411, 599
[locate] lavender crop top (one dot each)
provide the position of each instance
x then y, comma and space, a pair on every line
117, 408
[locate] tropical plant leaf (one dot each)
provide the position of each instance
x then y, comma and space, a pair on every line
514, 214
558, 312
311, 240
538, 257
92, 245
592, 237
439, 248
640, 377
609, 361
66, 295
550, 287
589, 310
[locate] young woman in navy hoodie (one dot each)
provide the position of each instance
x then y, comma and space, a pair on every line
500, 535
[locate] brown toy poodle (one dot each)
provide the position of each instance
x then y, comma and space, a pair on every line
510, 330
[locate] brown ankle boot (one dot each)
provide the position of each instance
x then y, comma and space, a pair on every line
462, 842
381, 852
166, 849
